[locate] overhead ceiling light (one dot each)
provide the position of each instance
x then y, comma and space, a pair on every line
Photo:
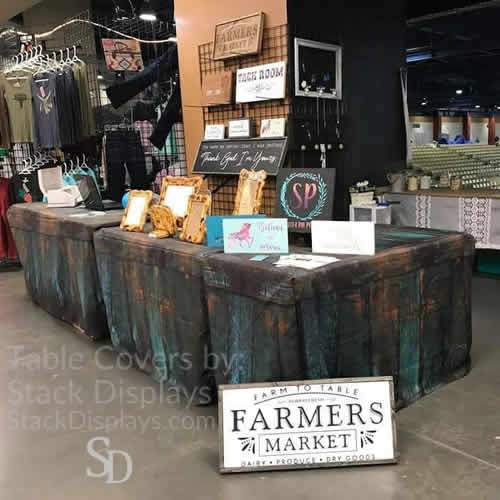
459, 91
423, 103
419, 56
147, 13
477, 106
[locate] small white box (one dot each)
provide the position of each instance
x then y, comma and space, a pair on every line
370, 213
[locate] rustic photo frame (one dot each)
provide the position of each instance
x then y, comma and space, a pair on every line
134, 218
194, 227
163, 221
175, 193
220, 52
250, 192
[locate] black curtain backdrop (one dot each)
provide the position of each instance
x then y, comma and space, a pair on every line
372, 125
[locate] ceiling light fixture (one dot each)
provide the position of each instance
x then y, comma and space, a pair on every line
459, 91
477, 106
147, 13
423, 103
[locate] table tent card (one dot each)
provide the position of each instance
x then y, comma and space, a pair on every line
215, 233
351, 238
248, 235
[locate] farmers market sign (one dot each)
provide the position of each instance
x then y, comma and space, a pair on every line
290, 425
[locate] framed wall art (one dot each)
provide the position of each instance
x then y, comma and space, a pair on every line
250, 191
318, 69
136, 212
238, 37
175, 193
194, 228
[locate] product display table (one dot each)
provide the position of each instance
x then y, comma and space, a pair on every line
155, 301
56, 249
404, 312
475, 212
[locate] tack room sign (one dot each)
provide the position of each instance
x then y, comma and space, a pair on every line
293, 425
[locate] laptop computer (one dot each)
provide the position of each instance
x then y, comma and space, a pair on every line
92, 197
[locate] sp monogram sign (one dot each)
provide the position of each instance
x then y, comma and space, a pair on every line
305, 195
321, 423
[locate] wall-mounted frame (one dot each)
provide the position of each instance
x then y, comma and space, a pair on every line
134, 218
175, 193
163, 221
194, 228
238, 37
250, 192
318, 69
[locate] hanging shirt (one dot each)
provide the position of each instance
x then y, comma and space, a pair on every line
68, 107
5, 136
87, 112
45, 111
17, 94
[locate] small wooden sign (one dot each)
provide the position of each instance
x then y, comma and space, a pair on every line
231, 156
217, 88
238, 37
241, 128
307, 424
304, 195
261, 83
215, 132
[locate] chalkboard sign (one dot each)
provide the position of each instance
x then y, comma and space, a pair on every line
304, 195
229, 157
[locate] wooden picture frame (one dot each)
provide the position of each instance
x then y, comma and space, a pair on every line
134, 218
194, 228
252, 25
175, 193
163, 221
250, 192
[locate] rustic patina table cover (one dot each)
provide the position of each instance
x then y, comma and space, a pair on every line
56, 249
156, 307
404, 312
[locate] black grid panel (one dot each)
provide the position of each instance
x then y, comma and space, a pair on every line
274, 49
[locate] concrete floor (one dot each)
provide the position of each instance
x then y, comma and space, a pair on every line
449, 442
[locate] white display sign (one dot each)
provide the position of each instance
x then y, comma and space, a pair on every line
239, 128
321, 423
261, 83
351, 238
272, 127
214, 132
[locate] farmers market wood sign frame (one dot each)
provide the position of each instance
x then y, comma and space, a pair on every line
307, 424
238, 37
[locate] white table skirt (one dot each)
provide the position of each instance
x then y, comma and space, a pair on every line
479, 217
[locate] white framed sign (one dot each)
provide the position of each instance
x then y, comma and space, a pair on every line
339, 237
261, 83
214, 132
307, 424
272, 127
239, 128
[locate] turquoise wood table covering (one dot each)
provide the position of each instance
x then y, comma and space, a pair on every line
156, 307
404, 312
56, 250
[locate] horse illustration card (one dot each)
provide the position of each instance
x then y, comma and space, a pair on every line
259, 236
